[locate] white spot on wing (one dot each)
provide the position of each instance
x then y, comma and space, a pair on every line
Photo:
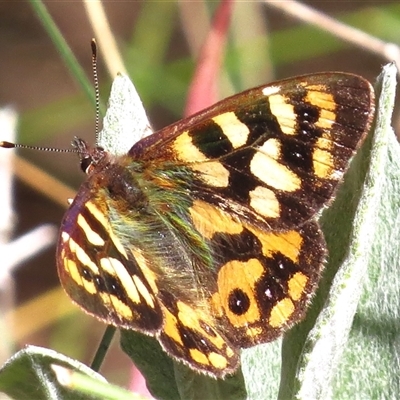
267, 91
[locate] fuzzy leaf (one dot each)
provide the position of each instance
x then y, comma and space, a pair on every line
28, 374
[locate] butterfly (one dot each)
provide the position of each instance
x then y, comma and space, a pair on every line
204, 234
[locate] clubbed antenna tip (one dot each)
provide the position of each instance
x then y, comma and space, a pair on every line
94, 47
7, 145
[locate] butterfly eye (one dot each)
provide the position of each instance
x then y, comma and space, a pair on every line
87, 164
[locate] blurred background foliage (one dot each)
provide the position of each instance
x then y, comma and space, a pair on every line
159, 42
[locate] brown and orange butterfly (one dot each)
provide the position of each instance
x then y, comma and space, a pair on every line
204, 234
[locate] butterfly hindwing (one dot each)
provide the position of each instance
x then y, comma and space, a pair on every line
264, 280
192, 335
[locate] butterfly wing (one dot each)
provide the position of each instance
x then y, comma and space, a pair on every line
103, 276
264, 279
274, 154
204, 235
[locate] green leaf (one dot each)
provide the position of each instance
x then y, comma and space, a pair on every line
28, 374
194, 386
155, 365
125, 122
261, 366
39, 373
370, 362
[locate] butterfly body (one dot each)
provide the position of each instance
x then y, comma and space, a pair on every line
204, 234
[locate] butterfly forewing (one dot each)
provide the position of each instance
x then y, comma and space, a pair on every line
98, 272
274, 154
205, 235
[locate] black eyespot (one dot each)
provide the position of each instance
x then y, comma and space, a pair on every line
86, 274
238, 302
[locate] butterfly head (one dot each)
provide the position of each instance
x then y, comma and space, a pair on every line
90, 158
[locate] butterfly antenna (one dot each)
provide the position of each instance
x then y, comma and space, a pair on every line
96, 87
9, 145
